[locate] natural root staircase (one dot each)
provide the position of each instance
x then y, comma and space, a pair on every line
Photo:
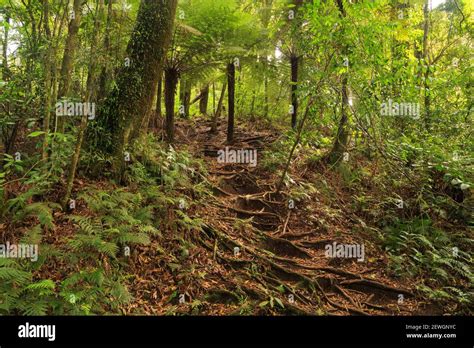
273, 263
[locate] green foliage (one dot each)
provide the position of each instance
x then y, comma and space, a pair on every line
92, 291
417, 248
121, 219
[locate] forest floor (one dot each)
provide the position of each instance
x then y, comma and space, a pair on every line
258, 256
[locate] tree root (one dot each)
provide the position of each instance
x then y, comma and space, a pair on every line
247, 212
374, 284
281, 273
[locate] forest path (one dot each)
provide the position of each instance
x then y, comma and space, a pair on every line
274, 256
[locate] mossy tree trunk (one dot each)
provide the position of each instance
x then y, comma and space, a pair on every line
137, 81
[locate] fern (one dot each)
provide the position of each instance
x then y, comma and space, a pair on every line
416, 246
13, 275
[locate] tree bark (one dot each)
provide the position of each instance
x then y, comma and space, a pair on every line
204, 100
217, 113
185, 96
265, 92
294, 88
5, 76
426, 62
340, 144
90, 86
171, 80
47, 80
5, 69
137, 82
68, 56
342, 136
105, 75
230, 101
159, 96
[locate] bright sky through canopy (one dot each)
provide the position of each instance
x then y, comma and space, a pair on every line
436, 3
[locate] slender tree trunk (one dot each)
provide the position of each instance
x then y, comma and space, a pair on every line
68, 57
90, 86
204, 100
266, 14
213, 98
297, 140
185, 96
137, 83
295, 61
155, 120
47, 80
181, 108
5, 77
5, 69
252, 106
294, 88
217, 113
171, 80
342, 136
426, 62
265, 89
105, 74
159, 96
230, 101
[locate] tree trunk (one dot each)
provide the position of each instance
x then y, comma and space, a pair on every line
5, 69
159, 96
171, 80
105, 73
340, 144
90, 86
68, 57
230, 101
185, 96
137, 82
217, 113
342, 136
47, 80
5, 77
204, 100
265, 90
294, 88
426, 62
213, 98
252, 106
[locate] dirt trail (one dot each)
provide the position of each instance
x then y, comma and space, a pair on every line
256, 255
274, 254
